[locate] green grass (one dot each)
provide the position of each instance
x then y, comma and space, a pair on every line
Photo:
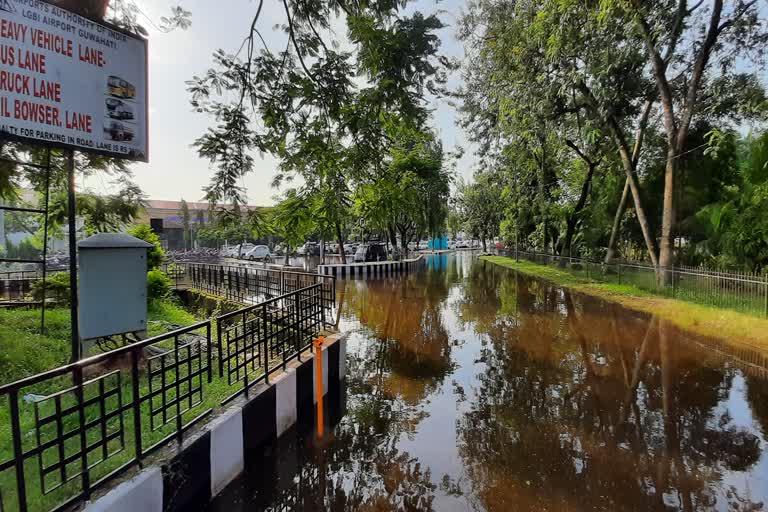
732, 326
24, 351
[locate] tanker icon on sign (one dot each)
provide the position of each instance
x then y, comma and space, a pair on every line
117, 131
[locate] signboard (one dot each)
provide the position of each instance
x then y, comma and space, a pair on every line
71, 82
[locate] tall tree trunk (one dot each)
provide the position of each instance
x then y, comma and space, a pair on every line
666, 253
629, 169
340, 238
392, 236
404, 239
573, 219
617, 224
287, 255
485, 249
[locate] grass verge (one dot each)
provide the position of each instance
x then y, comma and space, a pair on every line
736, 328
24, 351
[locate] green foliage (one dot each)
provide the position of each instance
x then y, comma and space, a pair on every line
566, 100
56, 289
155, 255
480, 207
292, 218
25, 250
301, 105
158, 285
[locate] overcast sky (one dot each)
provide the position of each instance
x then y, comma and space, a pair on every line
175, 171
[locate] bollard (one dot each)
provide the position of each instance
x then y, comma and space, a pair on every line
318, 344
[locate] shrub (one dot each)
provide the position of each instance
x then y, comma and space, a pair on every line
156, 255
56, 288
158, 285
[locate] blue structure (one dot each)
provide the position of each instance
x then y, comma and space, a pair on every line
438, 244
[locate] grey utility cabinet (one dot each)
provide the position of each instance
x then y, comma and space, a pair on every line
112, 292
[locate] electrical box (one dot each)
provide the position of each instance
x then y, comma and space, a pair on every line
112, 290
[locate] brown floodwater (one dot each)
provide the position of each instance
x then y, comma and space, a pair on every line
472, 387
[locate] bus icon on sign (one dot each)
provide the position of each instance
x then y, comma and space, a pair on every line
120, 88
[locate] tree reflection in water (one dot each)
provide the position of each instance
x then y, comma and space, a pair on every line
558, 402
587, 406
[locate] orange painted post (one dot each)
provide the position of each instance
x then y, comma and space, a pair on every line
318, 343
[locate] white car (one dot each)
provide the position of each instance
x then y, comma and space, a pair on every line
244, 249
230, 251
259, 252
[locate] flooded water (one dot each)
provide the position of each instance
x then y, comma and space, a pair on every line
471, 387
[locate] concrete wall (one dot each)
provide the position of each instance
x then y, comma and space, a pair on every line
213, 457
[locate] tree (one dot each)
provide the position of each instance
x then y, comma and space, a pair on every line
292, 220
155, 255
620, 83
408, 193
682, 72
480, 209
185, 224
300, 104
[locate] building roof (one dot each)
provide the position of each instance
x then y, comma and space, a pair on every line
113, 241
159, 204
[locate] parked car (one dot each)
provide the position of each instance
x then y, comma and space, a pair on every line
230, 251
350, 249
259, 252
244, 249
309, 249
371, 252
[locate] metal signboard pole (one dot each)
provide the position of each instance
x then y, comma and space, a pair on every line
73, 256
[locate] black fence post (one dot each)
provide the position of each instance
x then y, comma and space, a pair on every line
297, 327
136, 404
220, 347
209, 348
179, 422
79, 396
18, 454
266, 343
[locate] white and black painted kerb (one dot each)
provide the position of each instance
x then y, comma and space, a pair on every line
371, 269
237, 439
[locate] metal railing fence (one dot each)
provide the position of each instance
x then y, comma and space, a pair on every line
68, 431
77, 426
256, 341
249, 285
741, 291
16, 286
